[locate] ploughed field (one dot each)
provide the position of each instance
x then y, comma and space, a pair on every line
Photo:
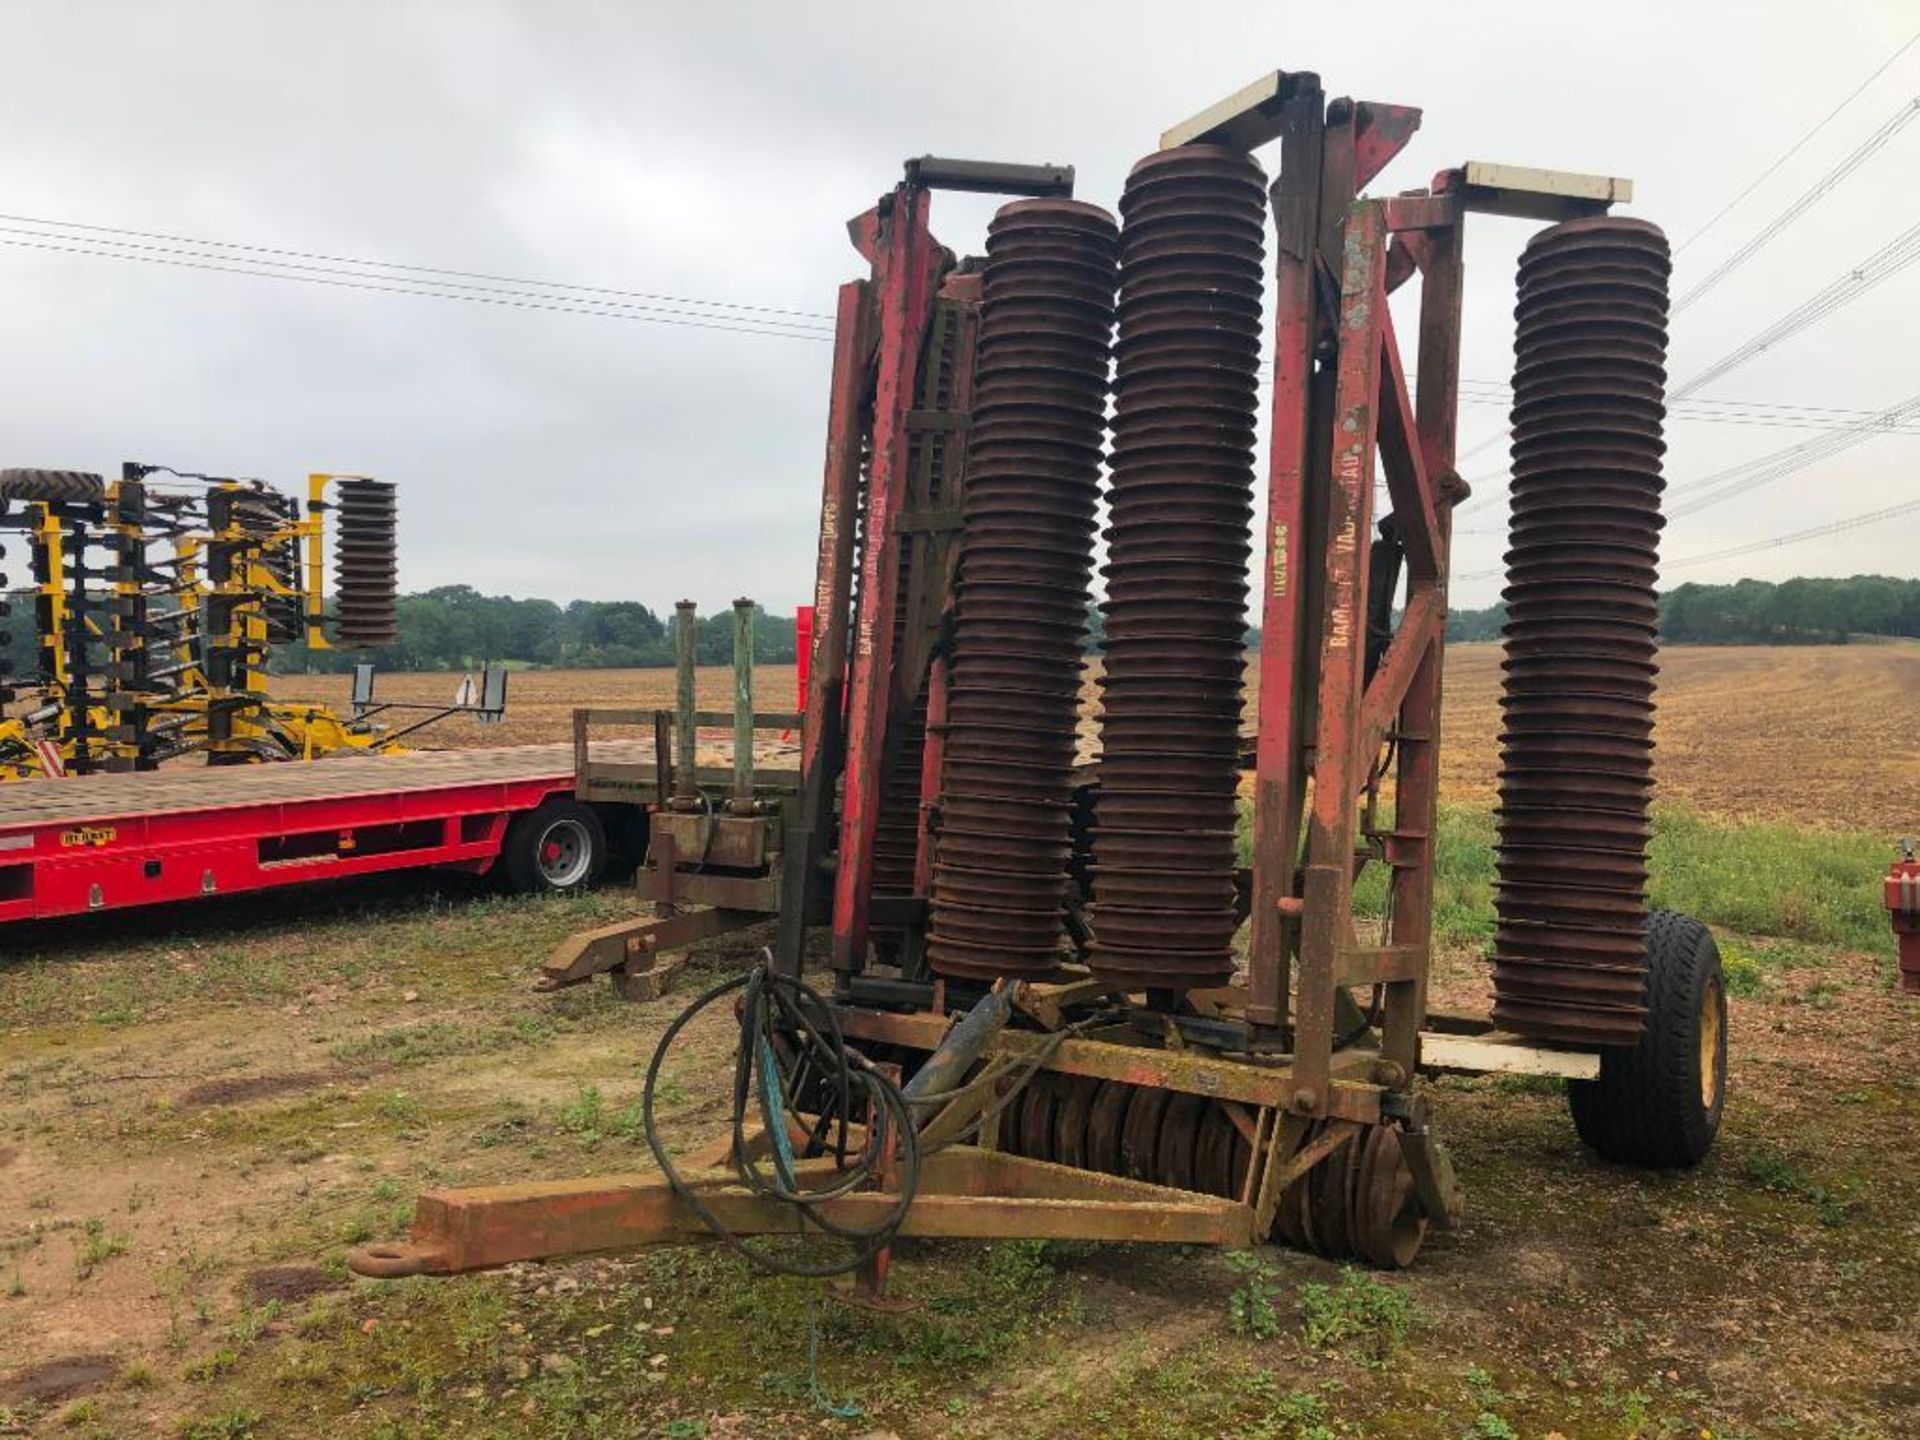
205, 1108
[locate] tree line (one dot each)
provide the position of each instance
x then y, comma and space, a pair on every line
1802, 611
455, 627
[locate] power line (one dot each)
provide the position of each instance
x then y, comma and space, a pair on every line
1738, 480
1803, 203
416, 269
1799, 144
497, 299
1889, 260
293, 270
1765, 413
1812, 532
1772, 542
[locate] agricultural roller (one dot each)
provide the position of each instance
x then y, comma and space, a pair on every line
1040, 1026
158, 597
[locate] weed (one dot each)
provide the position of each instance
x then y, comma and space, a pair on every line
81, 1412
402, 1109
669, 1089
1358, 1308
252, 1322
1742, 972
212, 1366
502, 1132
1304, 1414
589, 1118
227, 1425
1250, 1304
1771, 1170
95, 1247
585, 1114
138, 1376
685, 1428
1489, 1426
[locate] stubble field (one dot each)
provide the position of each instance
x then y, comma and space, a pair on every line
205, 1108
1823, 735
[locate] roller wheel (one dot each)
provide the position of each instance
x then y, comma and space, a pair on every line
1325, 1208
1035, 1118
1140, 1134
1070, 1121
1213, 1156
1105, 1118
557, 848
1658, 1103
52, 485
1386, 1224
1179, 1137
1359, 1203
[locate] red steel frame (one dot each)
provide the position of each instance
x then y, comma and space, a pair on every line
1341, 412
895, 239
64, 867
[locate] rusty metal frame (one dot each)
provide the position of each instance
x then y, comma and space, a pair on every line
964, 1192
1341, 414
1332, 727
895, 239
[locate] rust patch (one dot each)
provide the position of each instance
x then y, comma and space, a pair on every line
61, 1378
288, 1284
238, 1089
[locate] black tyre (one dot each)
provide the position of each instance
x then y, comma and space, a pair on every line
54, 485
628, 828
559, 847
1658, 1104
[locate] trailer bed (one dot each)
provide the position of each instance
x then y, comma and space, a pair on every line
84, 799
106, 842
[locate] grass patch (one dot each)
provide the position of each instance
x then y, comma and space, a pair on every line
1772, 1170
246, 951
590, 1119
1794, 885
226, 1425
95, 1246
439, 1039
676, 1335
1773, 880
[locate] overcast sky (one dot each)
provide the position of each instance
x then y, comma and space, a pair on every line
713, 151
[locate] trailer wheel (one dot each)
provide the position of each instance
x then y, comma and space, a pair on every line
559, 847
52, 485
1658, 1103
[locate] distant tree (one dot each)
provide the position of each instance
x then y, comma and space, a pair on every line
455, 626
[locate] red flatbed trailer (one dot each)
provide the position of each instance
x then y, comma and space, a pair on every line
112, 842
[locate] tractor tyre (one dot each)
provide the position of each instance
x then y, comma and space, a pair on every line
1657, 1104
80, 486
628, 829
555, 849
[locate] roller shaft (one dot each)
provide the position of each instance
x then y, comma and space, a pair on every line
1033, 469
1187, 364
366, 568
1576, 771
